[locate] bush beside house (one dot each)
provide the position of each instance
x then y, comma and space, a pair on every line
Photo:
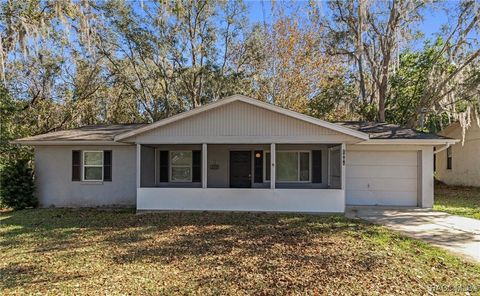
17, 187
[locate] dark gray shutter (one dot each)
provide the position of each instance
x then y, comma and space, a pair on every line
268, 165
258, 164
317, 166
76, 165
196, 166
107, 165
164, 166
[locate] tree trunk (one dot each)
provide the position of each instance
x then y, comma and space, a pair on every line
360, 49
382, 94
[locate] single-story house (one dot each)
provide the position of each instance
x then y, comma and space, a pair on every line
236, 154
459, 164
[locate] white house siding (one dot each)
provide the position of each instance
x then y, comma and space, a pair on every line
55, 188
465, 158
53, 169
389, 175
240, 122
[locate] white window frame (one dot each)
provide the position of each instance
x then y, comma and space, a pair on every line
298, 166
91, 165
170, 166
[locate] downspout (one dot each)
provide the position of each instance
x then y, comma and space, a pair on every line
441, 149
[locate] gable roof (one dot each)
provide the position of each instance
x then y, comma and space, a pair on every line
244, 99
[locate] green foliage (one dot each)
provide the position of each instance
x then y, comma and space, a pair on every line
17, 188
436, 122
368, 111
421, 94
65, 64
325, 104
458, 200
11, 129
409, 83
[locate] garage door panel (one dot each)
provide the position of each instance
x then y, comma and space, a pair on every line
382, 198
382, 172
381, 158
376, 184
382, 178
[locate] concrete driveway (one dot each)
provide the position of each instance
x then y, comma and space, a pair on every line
457, 234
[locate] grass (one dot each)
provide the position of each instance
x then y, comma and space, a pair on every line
90, 252
457, 200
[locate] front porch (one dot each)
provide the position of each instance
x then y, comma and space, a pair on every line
241, 177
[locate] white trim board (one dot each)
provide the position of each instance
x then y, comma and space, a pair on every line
241, 199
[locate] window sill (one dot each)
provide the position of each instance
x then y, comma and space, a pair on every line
91, 182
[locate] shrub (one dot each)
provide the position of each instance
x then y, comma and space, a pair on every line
17, 188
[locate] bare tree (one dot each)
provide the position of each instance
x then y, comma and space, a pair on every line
371, 34
446, 86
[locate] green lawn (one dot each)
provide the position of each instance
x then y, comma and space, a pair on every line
456, 200
96, 252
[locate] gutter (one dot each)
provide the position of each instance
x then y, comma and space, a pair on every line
433, 142
443, 148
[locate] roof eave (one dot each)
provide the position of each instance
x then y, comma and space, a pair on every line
410, 141
66, 143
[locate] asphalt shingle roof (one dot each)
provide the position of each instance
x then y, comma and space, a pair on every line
378, 130
86, 133
108, 132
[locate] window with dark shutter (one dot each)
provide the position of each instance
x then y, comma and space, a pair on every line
449, 158
317, 166
107, 165
196, 166
258, 170
163, 166
76, 165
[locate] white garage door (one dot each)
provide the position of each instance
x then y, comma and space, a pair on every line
381, 178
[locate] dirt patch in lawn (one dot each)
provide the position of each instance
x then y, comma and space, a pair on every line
85, 252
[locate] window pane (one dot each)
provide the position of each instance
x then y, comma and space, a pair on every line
93, 173
268, 166
181, 158
287, 166
304, 166
181, 174
93, 158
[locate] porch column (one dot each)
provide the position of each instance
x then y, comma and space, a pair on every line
343, 156
273, 157
139, 153
204, 165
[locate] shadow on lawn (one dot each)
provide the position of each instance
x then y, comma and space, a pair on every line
240, 242
16, 274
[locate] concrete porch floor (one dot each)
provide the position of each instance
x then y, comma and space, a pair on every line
457, 234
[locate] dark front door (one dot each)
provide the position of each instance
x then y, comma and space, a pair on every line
240, 169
